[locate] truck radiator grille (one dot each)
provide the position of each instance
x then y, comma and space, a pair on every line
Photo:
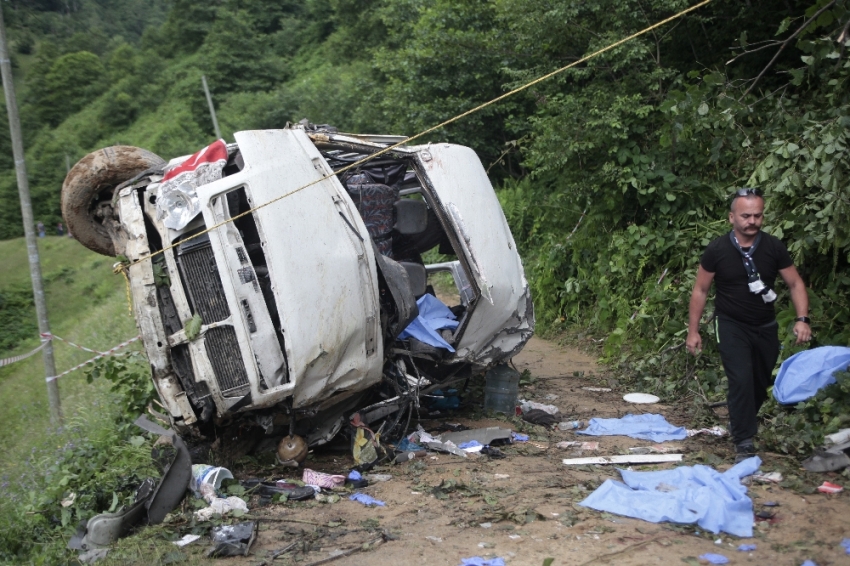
203, 284
226, 359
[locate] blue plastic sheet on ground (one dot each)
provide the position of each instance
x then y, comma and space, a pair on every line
712, 558
846, 544
808, 563
433, 316
470, 444
716, 502
407, 446
645, 427
354, 475
519, 437
747, 547
807, 372
478, 561
367, 499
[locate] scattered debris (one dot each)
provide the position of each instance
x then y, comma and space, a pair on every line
221, 506
233, 540
624, 459
435, 540
716, 502
206, 480
714, 431
598, 389
644, 427
839, 437
759, 477
827, 487
375, 478
845, 543
319, 479
519, 437
366, 499
655, 449
187, 539
527, 406
570, 425
830, 460
471, 446
540, 417
712, 558
93, 555
567, 444
478, 561
747, 547
641, 398
486, 436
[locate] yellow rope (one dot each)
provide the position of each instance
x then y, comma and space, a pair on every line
437, 127
121, 267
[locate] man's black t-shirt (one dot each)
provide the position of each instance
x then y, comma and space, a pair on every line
734, 299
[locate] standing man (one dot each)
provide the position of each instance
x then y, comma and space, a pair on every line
743, 265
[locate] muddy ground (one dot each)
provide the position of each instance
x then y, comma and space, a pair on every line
524, 509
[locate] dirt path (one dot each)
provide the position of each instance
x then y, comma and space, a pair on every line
524, 509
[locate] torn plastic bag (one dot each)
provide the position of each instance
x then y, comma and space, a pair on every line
433, 316
233, 540
644, 427
716, 502
805, 373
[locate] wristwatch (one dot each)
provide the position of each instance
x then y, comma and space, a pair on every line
803, 319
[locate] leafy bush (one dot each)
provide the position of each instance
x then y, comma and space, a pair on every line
92, 465
131, 382
89, 467
17, 317
801, 428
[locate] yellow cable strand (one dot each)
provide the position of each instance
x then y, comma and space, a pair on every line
433, 128
122, 268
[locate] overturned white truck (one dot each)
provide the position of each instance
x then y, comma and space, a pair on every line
267, 288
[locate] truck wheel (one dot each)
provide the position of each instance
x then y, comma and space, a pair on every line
87, 191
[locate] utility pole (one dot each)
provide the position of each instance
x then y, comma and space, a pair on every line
212, 108
29, 230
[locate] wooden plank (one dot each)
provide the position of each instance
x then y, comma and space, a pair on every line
625, 459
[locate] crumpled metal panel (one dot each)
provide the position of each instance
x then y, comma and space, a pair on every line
320, 261
503, 318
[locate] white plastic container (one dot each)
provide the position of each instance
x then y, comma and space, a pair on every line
206, 480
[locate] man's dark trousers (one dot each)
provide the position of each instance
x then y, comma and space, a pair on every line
749, 355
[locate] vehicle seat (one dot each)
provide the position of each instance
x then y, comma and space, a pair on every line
411, 216
417, 276
374, 202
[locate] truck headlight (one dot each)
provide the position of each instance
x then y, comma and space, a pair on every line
177, 204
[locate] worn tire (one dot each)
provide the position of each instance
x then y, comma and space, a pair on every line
90, 184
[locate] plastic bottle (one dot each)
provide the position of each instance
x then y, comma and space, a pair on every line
570, 425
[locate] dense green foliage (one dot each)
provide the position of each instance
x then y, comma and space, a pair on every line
17, 317
613, 175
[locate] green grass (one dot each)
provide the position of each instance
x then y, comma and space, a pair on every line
86, 304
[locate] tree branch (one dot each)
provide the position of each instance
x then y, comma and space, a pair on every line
784, 45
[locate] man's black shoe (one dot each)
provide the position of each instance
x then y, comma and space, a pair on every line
743, 451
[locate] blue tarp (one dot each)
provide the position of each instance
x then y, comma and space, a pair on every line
699, 494
645, 427
805, 373
433, 315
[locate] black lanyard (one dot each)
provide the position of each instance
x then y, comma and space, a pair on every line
747, 257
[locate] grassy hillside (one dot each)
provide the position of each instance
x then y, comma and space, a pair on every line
86, 304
